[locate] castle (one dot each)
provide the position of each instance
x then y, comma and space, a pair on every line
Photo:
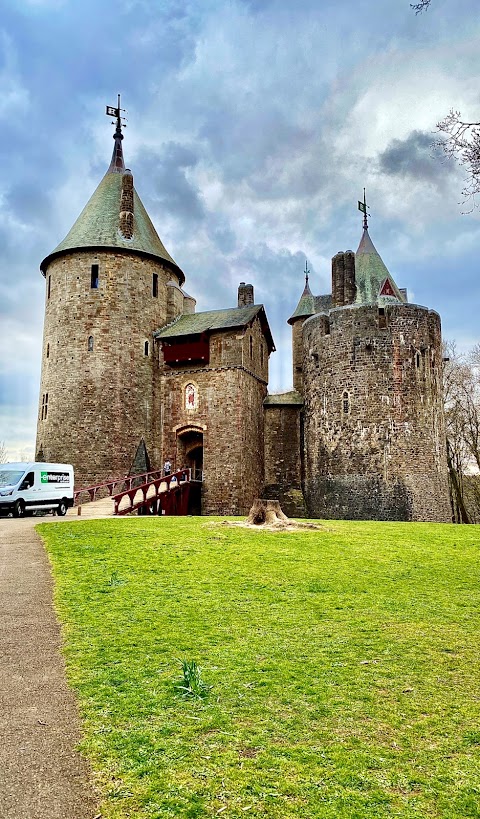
133, 375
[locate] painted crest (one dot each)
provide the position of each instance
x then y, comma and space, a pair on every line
190, 397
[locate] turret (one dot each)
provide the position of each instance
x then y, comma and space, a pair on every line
374, 432
106, 293
304, 309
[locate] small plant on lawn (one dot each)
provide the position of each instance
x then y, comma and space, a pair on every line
191, 684
115, 580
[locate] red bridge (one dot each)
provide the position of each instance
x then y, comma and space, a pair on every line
150, 493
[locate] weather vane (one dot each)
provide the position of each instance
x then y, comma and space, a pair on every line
306, 272
117, 113
363, 207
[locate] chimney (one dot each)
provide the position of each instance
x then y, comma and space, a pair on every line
338, 279
126, 205
349, 286
245, 294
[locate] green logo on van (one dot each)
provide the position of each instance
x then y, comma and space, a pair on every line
44, 477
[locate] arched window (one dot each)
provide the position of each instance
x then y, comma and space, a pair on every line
90, 344
48, 350
146, 348
417, 360
346, 403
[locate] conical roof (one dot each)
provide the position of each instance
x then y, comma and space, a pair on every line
306, 305
98, 226
375, 285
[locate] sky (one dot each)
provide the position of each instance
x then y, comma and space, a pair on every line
252, 128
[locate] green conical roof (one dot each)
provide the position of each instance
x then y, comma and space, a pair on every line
306, 305
98, 226
375, 285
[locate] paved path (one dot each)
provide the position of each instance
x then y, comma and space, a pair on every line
41, 775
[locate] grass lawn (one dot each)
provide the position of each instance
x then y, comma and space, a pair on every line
343, 665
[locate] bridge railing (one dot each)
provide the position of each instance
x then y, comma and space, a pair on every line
127, 482
164, 495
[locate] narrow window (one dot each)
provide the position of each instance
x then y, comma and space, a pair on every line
346, 403
417, 360
155, 285
48, 350
261, 354
382, 319
94, 277
49, 286
146, 348
90, 344
251, 347
44, 405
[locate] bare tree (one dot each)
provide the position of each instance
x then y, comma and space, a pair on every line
3, 453
462, 414
421, 6
461, 142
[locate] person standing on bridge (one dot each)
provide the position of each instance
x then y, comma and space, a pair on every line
167, 467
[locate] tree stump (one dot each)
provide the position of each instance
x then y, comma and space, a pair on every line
266, 511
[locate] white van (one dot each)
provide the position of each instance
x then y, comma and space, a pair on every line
28, 487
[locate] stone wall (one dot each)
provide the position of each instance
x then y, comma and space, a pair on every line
374, 426
283, 468
103, 400
297, 355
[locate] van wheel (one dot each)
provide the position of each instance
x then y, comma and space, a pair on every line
19, 509
62, 508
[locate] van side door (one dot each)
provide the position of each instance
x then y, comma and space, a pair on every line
26, 490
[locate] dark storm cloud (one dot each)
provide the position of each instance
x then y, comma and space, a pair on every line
413, 156
165, 173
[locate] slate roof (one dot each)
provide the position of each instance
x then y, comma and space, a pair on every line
370, 275
98, 225
306, 305
289, 399
212, 320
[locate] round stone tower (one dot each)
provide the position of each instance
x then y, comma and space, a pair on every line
107, 290
374, 426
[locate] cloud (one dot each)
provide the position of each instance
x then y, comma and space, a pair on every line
14, 96
169, 184
415, 157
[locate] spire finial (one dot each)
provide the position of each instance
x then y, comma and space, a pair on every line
363, 207
117, 165
306, 272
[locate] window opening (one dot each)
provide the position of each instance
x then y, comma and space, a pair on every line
155, 285
90, 344
146, 348
44, 406
261, 354
49, 286
417, 360
251, 347
346, 403
94, 277
48, 350
382, 319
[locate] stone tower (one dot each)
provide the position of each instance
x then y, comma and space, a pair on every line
374, 435
109, 285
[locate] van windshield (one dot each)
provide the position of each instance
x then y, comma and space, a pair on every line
9, 477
